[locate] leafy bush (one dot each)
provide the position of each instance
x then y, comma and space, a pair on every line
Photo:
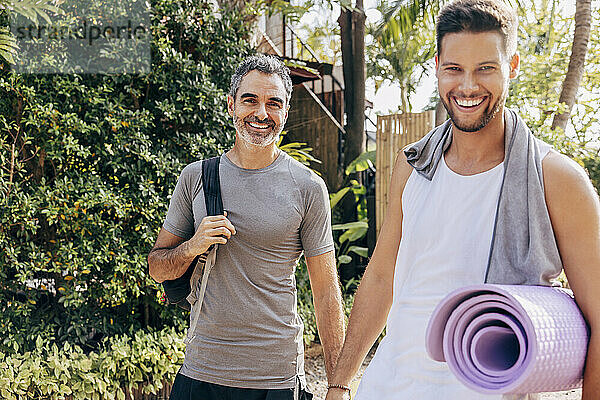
88, 163
545, 45
123, 364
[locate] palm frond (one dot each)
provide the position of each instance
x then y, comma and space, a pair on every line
32, 9
8, 46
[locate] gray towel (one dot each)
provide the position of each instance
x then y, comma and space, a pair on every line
523, 250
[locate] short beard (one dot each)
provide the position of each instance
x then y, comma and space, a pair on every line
257, 140
478, 125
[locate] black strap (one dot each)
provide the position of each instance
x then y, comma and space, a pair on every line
177, 290
212, 186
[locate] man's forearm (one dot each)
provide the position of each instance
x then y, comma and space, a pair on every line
368, 317
167, 264
591, 377
330, 324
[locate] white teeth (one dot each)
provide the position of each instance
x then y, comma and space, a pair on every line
469, 103
258, 126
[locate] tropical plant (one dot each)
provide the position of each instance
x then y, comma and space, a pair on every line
144, 361
30, 9
88, 164
400, 54
545, 40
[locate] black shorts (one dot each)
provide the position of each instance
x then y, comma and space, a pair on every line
185, 388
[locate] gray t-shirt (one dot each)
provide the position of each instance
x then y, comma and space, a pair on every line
249, 333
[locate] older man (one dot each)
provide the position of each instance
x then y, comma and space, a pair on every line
247, 343
479, 199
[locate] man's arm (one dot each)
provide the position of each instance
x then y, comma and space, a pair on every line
171, 255
374, 296
327, 297
575, 214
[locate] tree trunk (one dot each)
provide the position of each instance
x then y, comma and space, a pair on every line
356, 136
583, 22
352, 31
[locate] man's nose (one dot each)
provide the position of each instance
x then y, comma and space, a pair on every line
261, 111
468, 84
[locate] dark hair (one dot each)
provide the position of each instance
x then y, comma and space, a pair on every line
478, 16
262, 63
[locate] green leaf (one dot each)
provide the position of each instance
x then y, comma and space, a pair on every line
8, 46
361, 163
344, 259
353, 234
350, 225
337, 196
361, 251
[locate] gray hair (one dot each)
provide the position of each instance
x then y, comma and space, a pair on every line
263, 63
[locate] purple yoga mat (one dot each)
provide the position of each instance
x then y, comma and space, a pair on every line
509, 339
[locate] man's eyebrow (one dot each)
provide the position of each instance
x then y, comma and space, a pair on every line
248, 95
253, 96
277, 99
495, 62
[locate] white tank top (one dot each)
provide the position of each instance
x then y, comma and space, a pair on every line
446, 236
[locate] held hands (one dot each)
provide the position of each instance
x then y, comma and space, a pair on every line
216, 229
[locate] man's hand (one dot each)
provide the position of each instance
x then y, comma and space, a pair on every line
215, 229
172, 255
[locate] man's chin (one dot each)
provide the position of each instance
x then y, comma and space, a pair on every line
468, 128
259, 141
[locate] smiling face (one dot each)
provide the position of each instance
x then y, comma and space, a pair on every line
260, 108
473, 73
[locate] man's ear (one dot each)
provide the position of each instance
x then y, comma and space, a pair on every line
436, 64
230, 104
514, 66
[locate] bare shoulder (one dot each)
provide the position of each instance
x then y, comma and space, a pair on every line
402, 169
563, 177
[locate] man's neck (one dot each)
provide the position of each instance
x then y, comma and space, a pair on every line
475, 152
249, 156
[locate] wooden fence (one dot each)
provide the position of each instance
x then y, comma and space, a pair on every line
393, 133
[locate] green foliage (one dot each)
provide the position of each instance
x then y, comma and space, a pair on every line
306, 308
88, 164
403, 47
545, 40
31, 9
362, 163
348, 233
298, 151
123, 363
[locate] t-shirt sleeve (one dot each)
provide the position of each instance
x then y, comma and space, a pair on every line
180, 217
315, 230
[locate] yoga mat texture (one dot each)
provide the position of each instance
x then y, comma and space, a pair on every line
510, 339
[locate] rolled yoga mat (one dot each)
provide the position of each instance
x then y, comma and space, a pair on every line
509, 339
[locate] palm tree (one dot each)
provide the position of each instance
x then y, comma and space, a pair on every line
400, 54
583, 22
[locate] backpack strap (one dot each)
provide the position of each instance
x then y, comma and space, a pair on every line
214, 206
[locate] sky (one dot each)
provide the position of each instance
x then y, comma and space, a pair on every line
387, 99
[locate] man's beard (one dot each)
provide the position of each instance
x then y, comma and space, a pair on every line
482, 122
270, 136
